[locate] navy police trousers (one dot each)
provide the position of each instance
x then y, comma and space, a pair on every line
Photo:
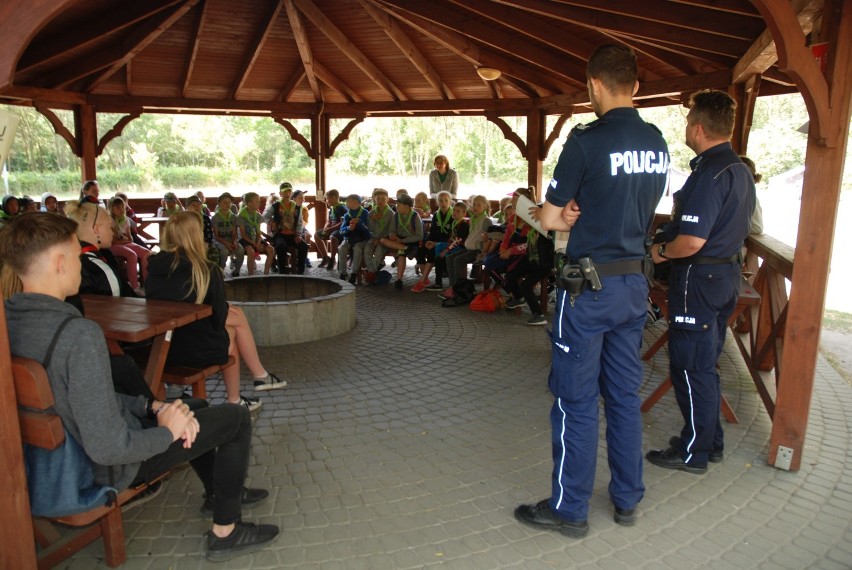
701, 299
596, 353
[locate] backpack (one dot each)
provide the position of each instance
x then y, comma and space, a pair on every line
464, 291
488, 301
383, 278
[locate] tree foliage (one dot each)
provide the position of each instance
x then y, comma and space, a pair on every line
179, 151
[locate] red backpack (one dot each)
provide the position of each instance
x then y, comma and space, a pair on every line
488, 301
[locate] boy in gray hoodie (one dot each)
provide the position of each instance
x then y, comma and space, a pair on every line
129, 439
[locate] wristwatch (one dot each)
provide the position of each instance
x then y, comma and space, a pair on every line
661, 251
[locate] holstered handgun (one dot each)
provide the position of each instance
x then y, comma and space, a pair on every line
569, 277
590, 273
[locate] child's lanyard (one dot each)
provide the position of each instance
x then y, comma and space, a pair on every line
381, 212
409, 231
442, 224
474, 220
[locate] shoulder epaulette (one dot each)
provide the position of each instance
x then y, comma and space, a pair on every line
583, 128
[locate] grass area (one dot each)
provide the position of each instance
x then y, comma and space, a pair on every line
837, 321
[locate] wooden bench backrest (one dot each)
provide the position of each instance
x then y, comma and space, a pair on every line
39, 426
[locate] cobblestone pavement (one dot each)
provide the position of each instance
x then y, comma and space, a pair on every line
407, 443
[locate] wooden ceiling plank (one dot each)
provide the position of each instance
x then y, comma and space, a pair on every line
123, 16
349, 49
498, 39
140, 38
257, 46
763, 54
687, 16
651, 29
304, 47
398, 36
327, 77
686, 62
472, 52
534, 28
741, 7
193, 52
714, 59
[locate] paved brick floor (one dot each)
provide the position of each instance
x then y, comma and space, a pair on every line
407, 443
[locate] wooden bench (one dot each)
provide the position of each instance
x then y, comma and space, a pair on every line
180, 375
42, 428
658, 295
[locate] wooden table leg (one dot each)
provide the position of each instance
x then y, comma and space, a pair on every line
157, 362
658, 393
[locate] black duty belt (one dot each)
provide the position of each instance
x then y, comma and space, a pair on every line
704, 260
619, 268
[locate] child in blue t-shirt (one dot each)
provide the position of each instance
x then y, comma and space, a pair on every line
355, 231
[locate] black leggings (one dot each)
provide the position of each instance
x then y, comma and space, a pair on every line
521, 282
219, 456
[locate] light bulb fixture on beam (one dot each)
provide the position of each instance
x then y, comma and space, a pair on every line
488, 73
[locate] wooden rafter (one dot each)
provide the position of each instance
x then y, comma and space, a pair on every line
291, 85
60, 129
256, 46
660, 12
508, 133
398, 36
334, 82
349, 49
193, 52
683, 63
116, 131
596, 20
732, 6
304, 47
142, 37
472, 52
564, 68
122, 16
296, 136
762, 53
670, 51
343, 135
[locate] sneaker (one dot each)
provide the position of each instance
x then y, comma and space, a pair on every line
448, 293
250, 497
419, 287
253, 404
308, 263
344, 276
151, 492
353, 278
398, 284
537, 320
323, 263
514, 303
438, 286
269, 382
245, 538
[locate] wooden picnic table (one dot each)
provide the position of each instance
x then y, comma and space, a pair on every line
126, 319
145, 220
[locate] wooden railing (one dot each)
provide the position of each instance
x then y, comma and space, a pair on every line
769, 268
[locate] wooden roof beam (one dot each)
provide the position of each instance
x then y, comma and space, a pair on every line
140, 38
471, 52
566, 68
193, 52
599, 21
59, 45
683, 63
327, 77
742, 7
349, 49
291, 85
304, 47
257, 46
398, 36
685, 16
763, 54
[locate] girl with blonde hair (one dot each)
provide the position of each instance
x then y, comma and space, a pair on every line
181, 272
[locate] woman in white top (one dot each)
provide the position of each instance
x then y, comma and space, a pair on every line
443, 178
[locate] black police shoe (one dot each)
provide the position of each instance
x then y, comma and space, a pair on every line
625, 517
542, 516
715, 456
670, 459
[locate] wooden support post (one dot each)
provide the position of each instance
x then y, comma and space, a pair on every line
86, 131
828, 100
745, 94
320, 125
536, 151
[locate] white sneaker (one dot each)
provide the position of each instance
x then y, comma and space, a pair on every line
253, 404
270, 382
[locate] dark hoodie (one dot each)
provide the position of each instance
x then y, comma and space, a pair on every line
106, 424
201, 343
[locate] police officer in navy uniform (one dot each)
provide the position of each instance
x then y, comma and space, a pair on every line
704, 242
607, 183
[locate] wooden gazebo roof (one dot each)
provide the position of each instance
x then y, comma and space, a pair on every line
353, 57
